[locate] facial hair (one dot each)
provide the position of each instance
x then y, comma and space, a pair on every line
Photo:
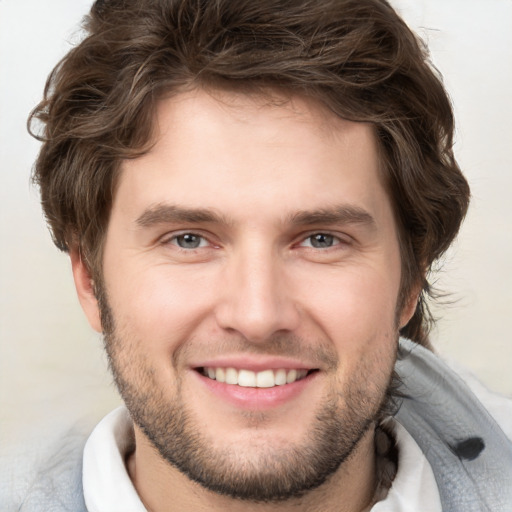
264, 475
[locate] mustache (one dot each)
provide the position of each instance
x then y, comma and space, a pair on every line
319, 352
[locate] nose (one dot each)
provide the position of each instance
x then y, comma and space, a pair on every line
257, 299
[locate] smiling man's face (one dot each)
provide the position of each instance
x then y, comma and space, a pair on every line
251, 272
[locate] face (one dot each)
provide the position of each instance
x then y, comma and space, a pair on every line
251, 277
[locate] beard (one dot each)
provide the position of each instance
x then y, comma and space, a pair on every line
260, 473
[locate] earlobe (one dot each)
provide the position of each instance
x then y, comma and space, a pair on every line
85, 289
409, 308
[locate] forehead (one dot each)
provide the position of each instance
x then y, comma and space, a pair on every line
263, 113
284, 153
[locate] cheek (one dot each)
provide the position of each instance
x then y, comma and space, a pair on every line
357, 305
356, 311
159, 305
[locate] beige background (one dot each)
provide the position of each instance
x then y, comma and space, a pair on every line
52, 369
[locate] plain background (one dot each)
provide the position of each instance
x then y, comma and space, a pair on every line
52, 368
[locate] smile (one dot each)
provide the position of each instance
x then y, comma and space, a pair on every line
250, 379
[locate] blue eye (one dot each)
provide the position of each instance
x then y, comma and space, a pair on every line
189, 241
321, 241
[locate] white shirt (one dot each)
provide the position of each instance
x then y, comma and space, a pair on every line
108, 488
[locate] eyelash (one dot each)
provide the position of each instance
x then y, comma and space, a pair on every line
173, 240
336, 239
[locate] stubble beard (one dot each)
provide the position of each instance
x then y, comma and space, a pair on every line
266, 474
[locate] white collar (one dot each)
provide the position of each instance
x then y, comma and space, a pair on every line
107, 485
108, 488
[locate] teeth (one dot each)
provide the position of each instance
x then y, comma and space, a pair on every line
265, 379
250, 379
231, 376
220, 374
246, 379
291, 376
280, 377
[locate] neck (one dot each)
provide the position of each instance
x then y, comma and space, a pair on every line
163, 488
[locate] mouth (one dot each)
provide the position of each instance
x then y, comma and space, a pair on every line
268, 378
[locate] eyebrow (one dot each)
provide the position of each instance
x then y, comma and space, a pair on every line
168, 213
344, 214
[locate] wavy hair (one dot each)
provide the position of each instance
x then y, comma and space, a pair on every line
357, 57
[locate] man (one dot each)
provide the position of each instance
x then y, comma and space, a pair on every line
252, 195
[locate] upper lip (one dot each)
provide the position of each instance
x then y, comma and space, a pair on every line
255, 364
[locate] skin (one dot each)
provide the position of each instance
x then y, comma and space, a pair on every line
254, 291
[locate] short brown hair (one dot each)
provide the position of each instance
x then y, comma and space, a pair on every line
355, 56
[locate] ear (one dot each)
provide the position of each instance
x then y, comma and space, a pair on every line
84, 285
410, 306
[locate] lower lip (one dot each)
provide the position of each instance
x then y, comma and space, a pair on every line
257, 398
